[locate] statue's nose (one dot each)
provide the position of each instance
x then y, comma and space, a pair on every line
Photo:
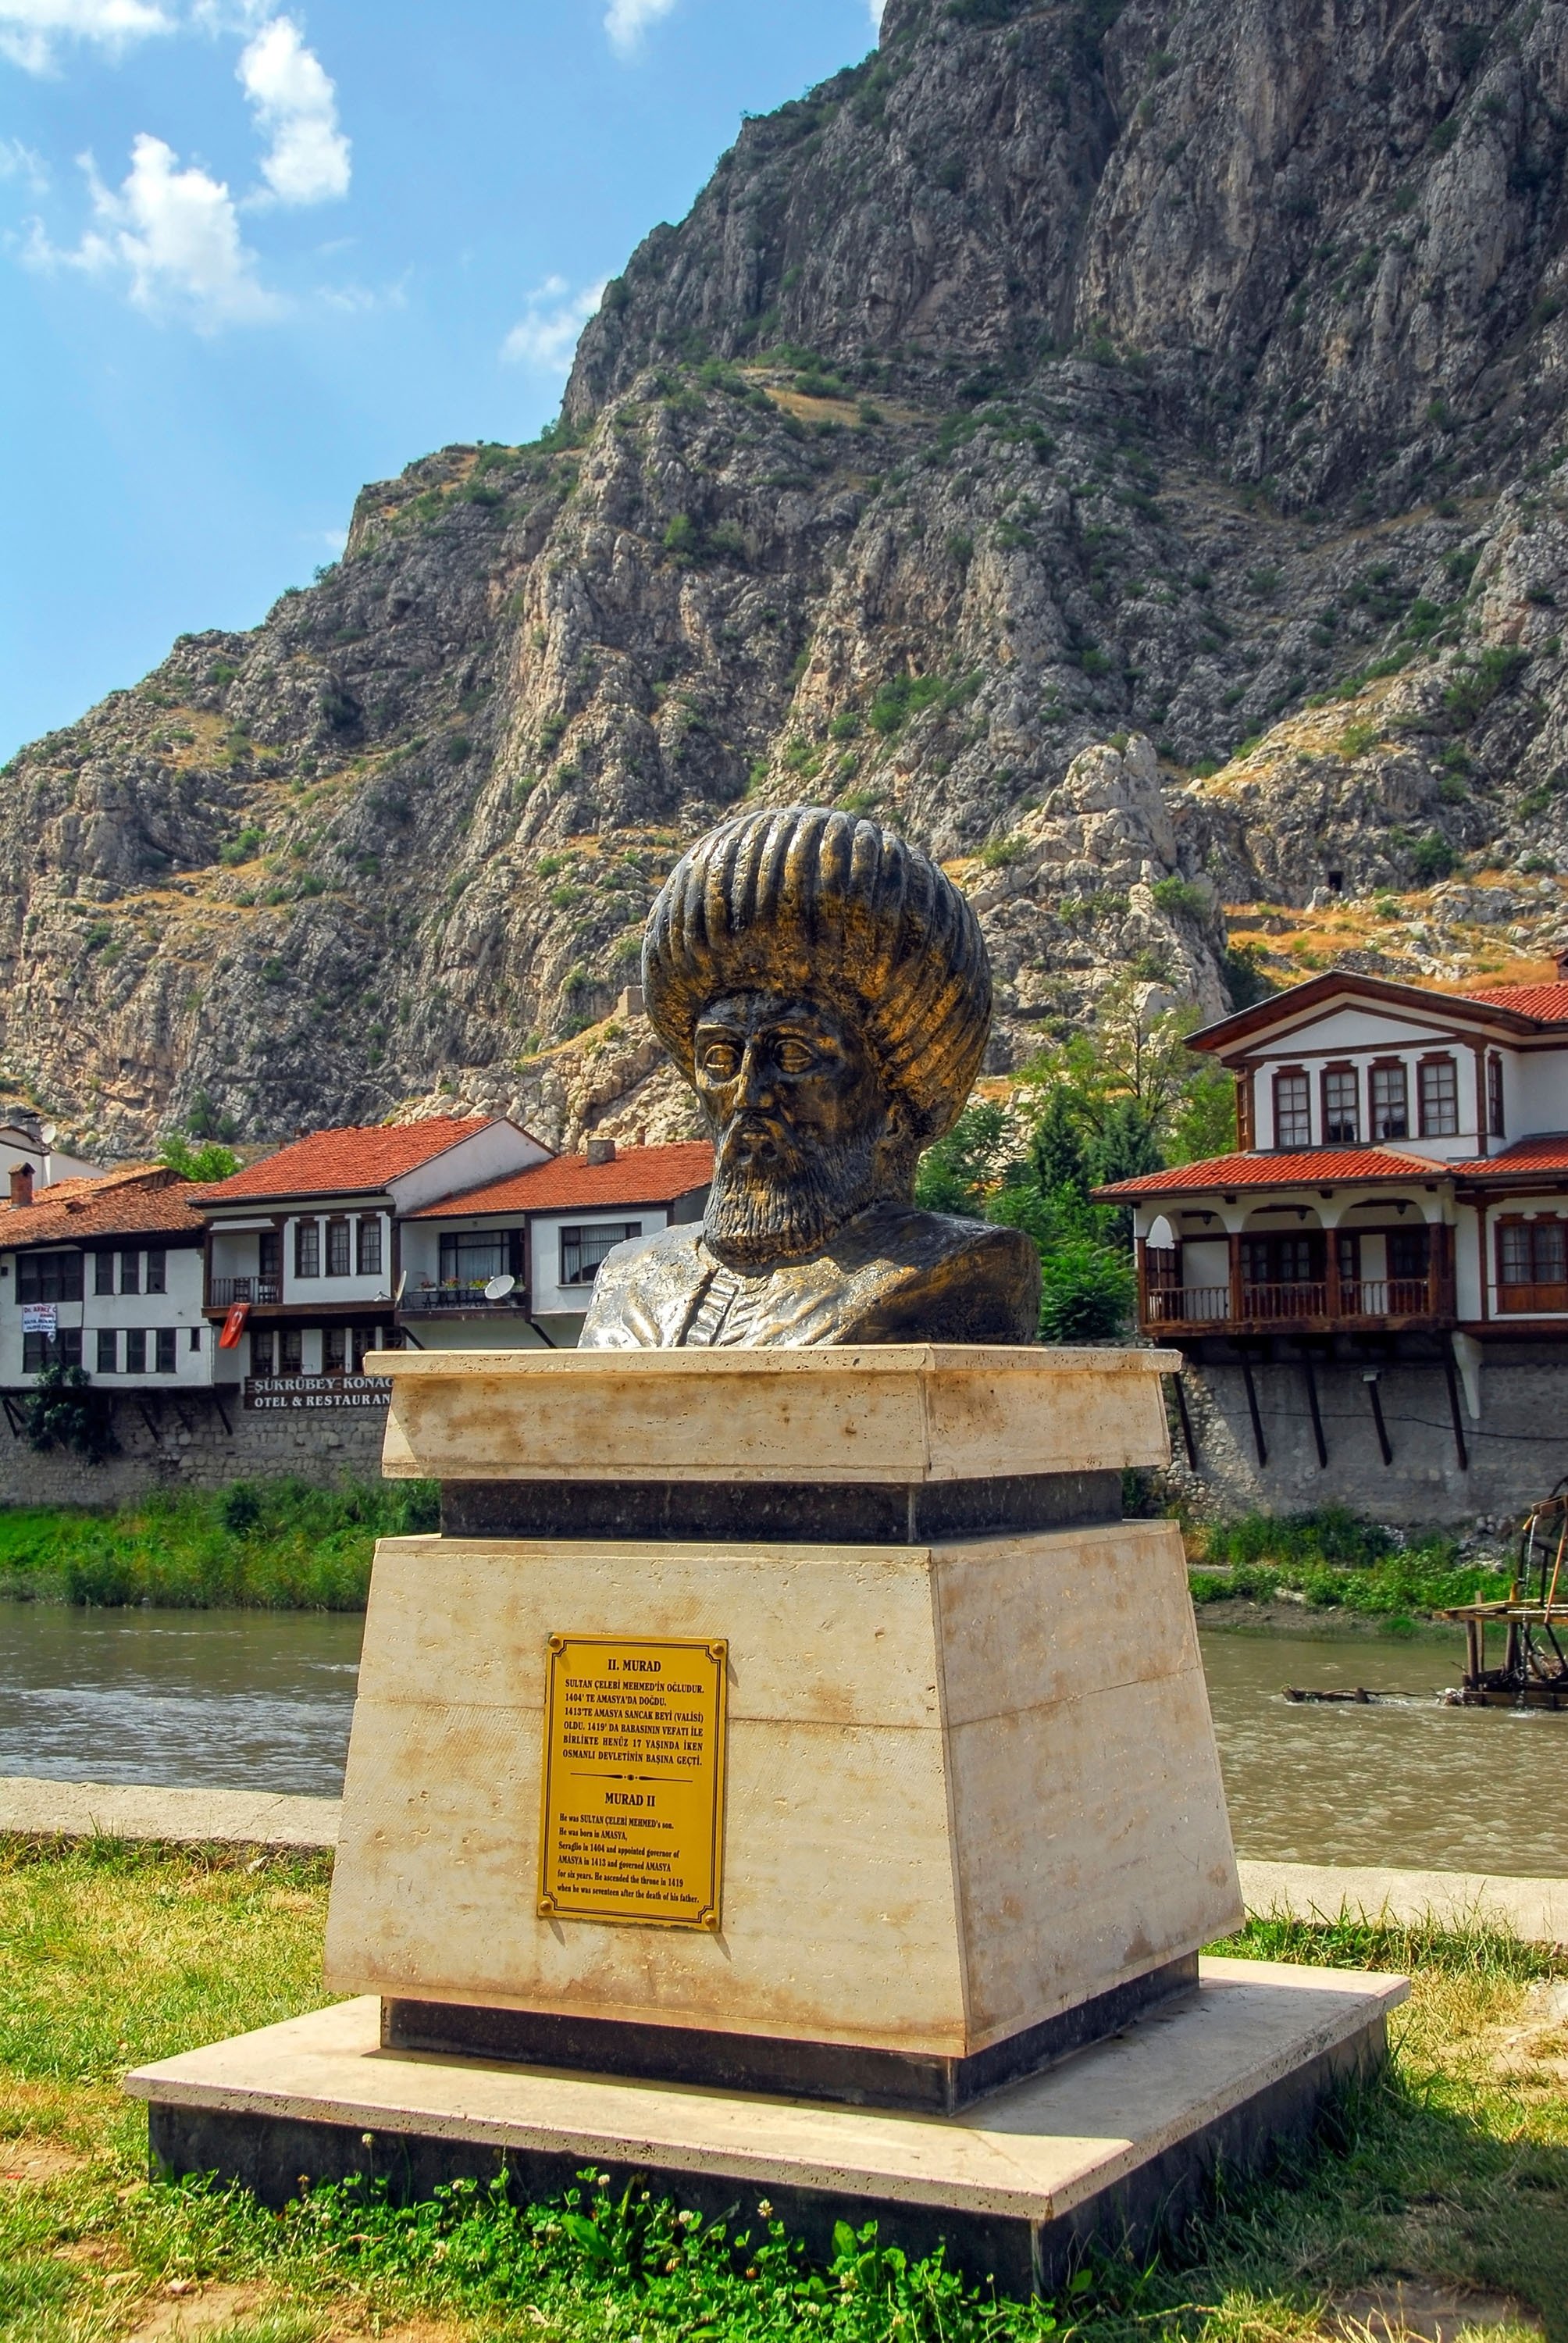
756, 1088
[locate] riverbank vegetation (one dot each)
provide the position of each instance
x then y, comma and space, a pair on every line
1450, 2172
284, 1545
255, 1545
1332, 1560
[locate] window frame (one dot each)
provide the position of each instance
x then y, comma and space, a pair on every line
369, 1247
618, 1232
1341, 1072
136, 1349
37, 1271
61, 1349
306, 1249
1516, 1233
108, 1351
290, 1350
337, 1246
1295, 1075
263, 1353
165, 1350
1441, 1061
103, 1272
1387, 1069
156, 1272
1496, 1120
130, 1269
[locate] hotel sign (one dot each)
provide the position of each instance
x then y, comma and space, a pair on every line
298, 1393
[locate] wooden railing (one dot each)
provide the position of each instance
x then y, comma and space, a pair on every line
226, 1291
1318, 1304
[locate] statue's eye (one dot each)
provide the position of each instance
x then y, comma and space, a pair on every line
795, 1057
721, 1059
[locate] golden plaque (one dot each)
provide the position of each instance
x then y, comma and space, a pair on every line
632, 1823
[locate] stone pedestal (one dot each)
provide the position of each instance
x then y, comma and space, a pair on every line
966, 1810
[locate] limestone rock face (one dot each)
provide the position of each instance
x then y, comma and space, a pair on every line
1116, 450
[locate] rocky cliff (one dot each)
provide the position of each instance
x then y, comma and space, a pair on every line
1122, 445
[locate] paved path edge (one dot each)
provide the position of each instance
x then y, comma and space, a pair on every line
1534, 1909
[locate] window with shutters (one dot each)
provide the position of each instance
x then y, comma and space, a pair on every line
1292, 1111
1341, 1107
1389, 1102
1438, 1079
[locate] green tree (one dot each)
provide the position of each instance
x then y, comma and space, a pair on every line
64, 1411
208, 1162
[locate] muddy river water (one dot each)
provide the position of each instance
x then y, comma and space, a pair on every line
253, 1700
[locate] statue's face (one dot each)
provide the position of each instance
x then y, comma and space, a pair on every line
799, 1118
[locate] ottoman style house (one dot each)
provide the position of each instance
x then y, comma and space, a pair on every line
1400, 1198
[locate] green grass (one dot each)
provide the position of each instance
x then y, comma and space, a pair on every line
267, 1545
1451, 2169
1337, 1562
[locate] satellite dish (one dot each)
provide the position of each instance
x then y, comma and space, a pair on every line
498, 1288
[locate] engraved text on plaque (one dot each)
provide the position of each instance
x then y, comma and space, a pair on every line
632, 1823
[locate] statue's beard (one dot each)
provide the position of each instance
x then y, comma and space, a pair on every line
772, 1200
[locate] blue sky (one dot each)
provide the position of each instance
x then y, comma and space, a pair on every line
253, 255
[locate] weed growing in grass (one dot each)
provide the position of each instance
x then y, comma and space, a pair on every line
265, 1545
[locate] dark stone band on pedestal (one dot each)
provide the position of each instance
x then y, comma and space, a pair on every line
848, 2074
792, 1512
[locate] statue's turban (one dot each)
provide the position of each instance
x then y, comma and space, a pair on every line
830, 908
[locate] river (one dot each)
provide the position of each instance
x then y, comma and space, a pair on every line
263, 1699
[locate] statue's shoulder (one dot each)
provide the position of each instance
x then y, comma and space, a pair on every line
954, 1280
639, 1287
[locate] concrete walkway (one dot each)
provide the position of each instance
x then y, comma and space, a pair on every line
1534, 1909
183, 1817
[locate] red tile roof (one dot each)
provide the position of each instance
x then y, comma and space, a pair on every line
1547, 1001
145, 1200
1547, 1152
570, 1184
355, 1161
1315, 1167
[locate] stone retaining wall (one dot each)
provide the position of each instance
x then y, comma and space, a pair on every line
1518, 1448
191, 1443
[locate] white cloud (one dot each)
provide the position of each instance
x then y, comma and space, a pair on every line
545, 335
296, 106
30, 30
174, 236
19, 161
876, 7
626, 21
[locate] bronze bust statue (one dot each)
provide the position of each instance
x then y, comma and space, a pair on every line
825, 989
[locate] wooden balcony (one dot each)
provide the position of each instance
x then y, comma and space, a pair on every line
1308, 1305
225, 1292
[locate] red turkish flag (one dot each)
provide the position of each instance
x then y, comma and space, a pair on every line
234, 1327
